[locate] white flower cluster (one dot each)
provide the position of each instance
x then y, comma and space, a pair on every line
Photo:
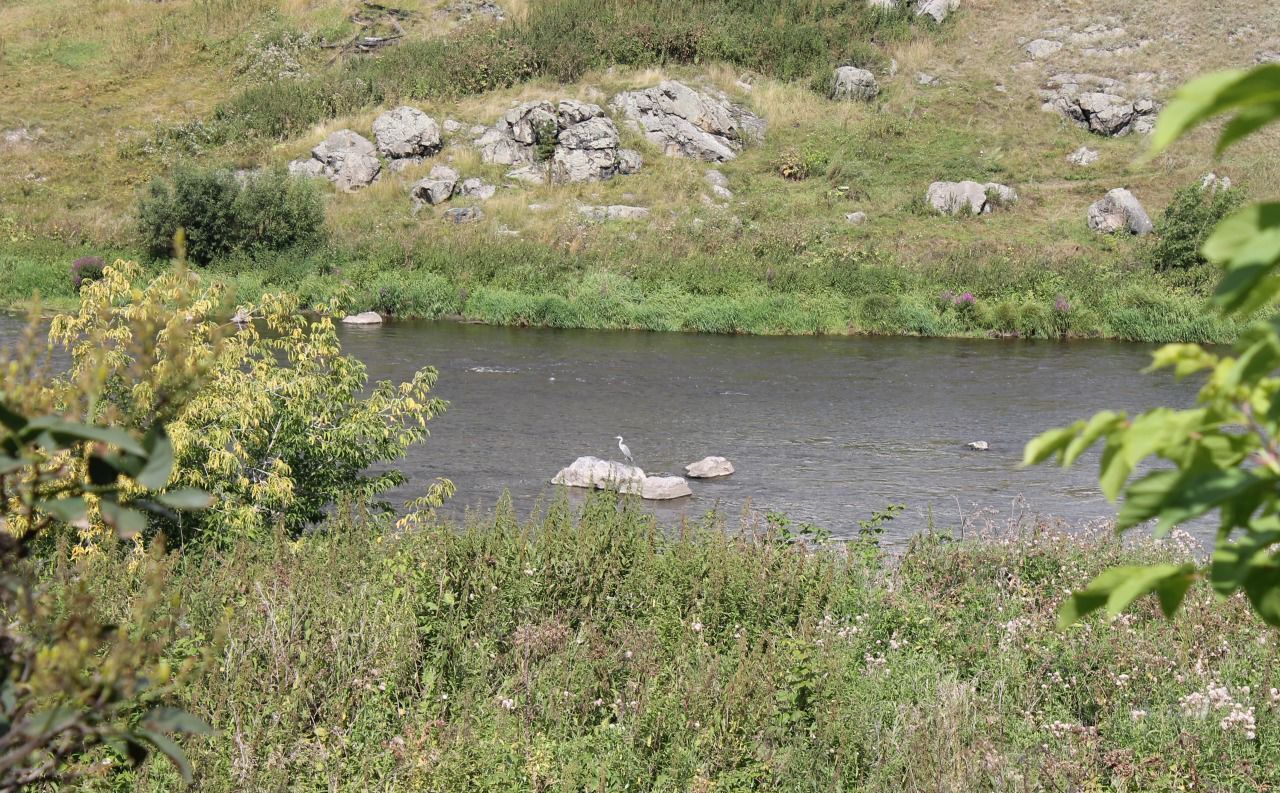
1216, 699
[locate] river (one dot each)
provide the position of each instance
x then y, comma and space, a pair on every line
825, 430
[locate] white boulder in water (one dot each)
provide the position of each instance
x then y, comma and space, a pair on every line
978, 446
664, 488
364, 318
709, 467
592, 472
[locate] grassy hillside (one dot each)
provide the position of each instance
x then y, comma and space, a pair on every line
246, 84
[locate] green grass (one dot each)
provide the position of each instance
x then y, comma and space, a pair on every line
595, 650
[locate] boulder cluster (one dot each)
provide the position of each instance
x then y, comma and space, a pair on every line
597, 474
443, 183
405, 136
568, 142
938, 10
1099, 104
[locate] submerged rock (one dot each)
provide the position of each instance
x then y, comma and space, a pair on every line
664, 488
364, 318
709, 467
978, 446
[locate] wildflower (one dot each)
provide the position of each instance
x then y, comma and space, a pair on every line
696, 627
1137, 714
508, 703
1061, 305
967, 299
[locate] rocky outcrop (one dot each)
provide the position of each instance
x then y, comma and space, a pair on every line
477, 188
968, 197
569, 142
1042, 48
854, 84
406, 133
664, 488
436, 188
718, 183
463, 214
365, 318
345, 158
1099, 104
614, 212
709, 467
1119, 210
598, 474
688, 123
1083, 156
939, 10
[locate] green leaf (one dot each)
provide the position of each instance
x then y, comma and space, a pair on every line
1233, 562
169, 749
66, 431
186, 499
47, 722
127, 522
1117, 588
101, 472
66, 510
166, 720
1248, 121
1048, 443
1101, 424
1211, 95
10, 464
1247, 245
155, 474
11, 420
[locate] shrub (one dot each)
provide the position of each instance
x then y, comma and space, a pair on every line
84, 269
220, 214
1186, 222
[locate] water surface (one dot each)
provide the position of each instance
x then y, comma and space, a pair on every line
826, 430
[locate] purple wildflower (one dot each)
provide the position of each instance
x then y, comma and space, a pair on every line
1061, 305
967, 299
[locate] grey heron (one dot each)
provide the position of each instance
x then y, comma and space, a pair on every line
623, 448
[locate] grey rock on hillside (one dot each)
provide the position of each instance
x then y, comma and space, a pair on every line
1119, 210
955, 198
849, 82
406, 132
581, 141
688, 123
938, 9
1099, 104
436, 188
345, 158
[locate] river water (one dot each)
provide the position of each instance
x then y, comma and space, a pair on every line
826, 430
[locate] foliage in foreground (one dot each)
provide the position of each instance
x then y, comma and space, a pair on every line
280, 427
76, 693
1224, 455
592, 649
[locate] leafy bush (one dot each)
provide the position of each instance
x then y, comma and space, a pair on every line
282, 427
84, 269
1186, 224
221, 214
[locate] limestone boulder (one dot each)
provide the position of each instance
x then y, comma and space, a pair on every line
664, 488
1102, 105
854, 84
436, 188
708, 468
969, 197
476, 188
938, 10
406, 132
1119, 211
364, 318
570, 141
595, 473
614, 212
683, 122
345, 158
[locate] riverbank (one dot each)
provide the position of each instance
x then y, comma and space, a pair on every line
736, 291
595, 649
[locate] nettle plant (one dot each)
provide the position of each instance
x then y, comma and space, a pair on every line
1224, 454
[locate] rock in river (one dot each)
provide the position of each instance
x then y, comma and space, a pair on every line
709, 467
664, 488
364, 318
592, 472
